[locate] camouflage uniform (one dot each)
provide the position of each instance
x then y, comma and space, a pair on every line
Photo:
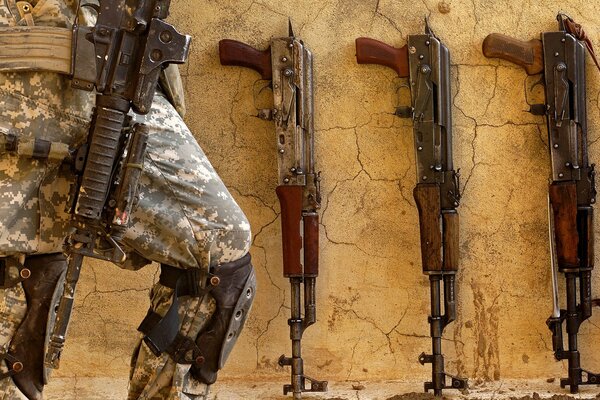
185, 217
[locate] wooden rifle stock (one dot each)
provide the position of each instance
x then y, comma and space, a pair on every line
232, 52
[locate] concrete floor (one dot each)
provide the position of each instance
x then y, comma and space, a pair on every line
111, 389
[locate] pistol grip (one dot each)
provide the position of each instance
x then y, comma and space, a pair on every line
528, 55
232, 52
371, 51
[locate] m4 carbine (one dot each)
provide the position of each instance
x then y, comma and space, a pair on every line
426, 62
121, 57
560, 57
287, 63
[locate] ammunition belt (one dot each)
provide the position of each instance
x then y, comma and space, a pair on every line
36, 48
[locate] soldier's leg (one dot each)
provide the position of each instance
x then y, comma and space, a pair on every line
187, 220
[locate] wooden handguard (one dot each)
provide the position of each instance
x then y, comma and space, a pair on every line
528, 55
585, 221
563, 197
371, 51
232, 52
290, 200
311, 245
450, 232
427, 198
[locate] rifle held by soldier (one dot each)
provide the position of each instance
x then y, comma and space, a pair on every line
121, 57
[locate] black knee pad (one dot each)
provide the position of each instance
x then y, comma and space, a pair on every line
28, 345
234, 296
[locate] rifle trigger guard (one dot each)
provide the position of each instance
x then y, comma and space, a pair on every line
535, 109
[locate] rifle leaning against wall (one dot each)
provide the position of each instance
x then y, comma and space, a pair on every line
426, 62
121, 57
560, 57
287, 63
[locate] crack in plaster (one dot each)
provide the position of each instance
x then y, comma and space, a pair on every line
352, 355
326, 4
388, 19
264, 332
266, 7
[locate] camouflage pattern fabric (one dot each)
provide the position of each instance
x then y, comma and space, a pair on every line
157, 378
185, 216
13, 307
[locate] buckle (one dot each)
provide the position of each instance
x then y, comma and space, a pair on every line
184, 350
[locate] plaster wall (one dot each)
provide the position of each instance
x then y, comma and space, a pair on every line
373, 299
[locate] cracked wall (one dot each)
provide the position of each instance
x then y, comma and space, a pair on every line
373, 299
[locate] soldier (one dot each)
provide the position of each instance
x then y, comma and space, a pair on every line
185, 219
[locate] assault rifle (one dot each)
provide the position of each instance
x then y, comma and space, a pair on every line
120, 57
560, 57
426, 62
287, 63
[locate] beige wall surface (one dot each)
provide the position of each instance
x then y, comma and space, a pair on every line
373, 299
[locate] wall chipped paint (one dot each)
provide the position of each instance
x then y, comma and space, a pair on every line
373, 299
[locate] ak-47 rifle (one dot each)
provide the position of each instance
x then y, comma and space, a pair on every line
120, 57
560, 57
426, 62
287, 63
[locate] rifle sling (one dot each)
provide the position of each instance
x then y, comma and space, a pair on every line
576, 30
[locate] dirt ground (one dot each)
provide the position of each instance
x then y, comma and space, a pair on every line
111, 389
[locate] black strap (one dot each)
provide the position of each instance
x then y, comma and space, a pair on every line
161, 334
188, 280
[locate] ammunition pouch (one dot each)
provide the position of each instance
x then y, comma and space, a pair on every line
36, 48
27, 348
50, 49
232, 285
